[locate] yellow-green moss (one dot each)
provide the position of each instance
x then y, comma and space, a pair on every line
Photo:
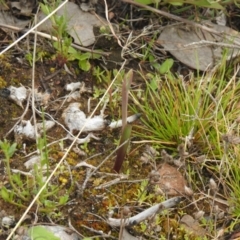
4, 63
3, 83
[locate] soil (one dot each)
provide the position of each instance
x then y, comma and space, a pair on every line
82, 207
87, 209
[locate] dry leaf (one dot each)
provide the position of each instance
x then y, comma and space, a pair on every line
228, 138
79, 23
41, 98
25, 130
34, 160
25, 7
6, 18
178, 39
191, 225
75, 119
46, 126
171, 180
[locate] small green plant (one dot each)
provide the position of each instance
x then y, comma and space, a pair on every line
103, 79
40, 55
24, 188
85, 148
105, 76
65, 52
142, 194
106, 31
102, 76
147, 55
40, 232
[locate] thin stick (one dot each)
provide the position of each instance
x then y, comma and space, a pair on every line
45, 35
114, 222
48, 36
33, 84
110, 25
95, 169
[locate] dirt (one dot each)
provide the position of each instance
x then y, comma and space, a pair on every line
82, 207
87, 210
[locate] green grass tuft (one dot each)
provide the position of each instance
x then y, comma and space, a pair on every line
200, 110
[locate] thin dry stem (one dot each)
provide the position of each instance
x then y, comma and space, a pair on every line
110, 25
33, 85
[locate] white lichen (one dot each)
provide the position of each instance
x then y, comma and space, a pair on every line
18, 95
75, 119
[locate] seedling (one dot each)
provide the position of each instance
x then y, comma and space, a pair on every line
65, 51
24, 187
126, 127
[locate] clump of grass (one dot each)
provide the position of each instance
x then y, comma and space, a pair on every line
232, 175
203, 113
200, 110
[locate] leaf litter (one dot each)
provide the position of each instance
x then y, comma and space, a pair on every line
160, 179
194, 46
80, 24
